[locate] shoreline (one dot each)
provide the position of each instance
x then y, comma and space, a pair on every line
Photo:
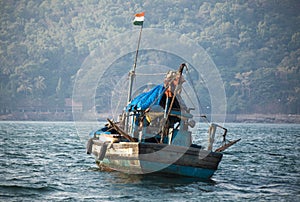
268, 118
230, 118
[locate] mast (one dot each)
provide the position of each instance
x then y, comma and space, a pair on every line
139, 20
169, 105
132, 72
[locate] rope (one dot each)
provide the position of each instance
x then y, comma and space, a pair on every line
157, 74
118, 105
193, 87
188, 96
162, 92
197, 97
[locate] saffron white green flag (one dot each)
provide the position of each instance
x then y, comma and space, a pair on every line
139, 18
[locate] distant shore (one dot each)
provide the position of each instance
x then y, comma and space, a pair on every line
264, 118
235, 118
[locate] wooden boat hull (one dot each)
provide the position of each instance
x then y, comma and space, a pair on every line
141, 158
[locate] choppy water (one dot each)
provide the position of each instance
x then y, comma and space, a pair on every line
47, 161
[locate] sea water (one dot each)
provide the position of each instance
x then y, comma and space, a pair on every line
46, 161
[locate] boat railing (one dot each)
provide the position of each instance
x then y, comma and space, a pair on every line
148, 124
212, 133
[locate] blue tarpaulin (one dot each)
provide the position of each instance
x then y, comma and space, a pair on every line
145, 100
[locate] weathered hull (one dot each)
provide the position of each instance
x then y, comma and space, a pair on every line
141, 158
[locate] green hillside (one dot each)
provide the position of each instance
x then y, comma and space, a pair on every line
255, 45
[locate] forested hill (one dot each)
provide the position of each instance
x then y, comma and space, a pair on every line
255, 45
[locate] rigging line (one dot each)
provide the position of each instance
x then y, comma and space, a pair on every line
157, 74
157, 98
118, 104
162, 92
193, 87
190, 99
198, 99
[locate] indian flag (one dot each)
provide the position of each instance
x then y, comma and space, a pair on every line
139, 18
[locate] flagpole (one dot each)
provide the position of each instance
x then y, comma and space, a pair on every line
137, 50
131, 79
132, 72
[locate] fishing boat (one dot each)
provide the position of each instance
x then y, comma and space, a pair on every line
154, 133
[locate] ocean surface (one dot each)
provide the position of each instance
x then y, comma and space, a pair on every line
46, 161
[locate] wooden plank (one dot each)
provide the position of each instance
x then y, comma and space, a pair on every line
123, 133
220, 149
170, 154
160, 153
